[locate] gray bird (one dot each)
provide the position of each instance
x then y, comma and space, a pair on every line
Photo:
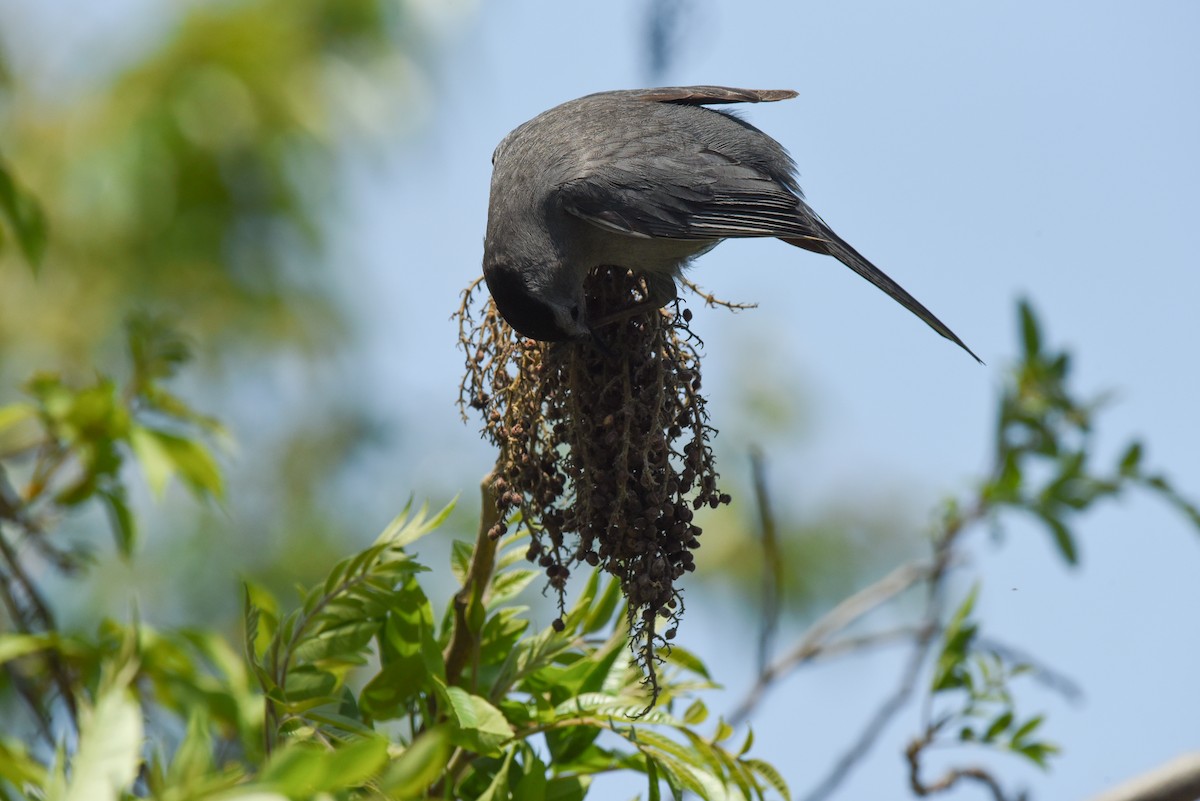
647, 180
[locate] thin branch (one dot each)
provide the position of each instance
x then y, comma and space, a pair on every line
1048, 677
934, 576
875, 726
862, 642
841, 616
712, 300
29, 610
950, 778
772, 561
469, 617
465, 640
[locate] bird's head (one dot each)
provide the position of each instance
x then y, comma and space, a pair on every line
534, 309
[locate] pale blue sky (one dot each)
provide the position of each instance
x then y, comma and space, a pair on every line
976, 153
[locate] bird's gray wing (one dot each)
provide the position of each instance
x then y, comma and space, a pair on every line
704, 195
697, 194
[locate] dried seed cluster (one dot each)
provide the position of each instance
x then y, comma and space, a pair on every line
605, 456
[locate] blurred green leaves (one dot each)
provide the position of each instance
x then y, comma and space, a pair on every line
198, 179
21, 218
971, 691
194, 177
1044, 449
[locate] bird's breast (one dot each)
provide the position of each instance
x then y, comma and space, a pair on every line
592, 246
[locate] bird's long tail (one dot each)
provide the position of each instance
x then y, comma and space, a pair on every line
829, 243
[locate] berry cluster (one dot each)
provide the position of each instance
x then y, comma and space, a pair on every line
605, 456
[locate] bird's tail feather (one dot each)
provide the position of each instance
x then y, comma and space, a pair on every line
829, 243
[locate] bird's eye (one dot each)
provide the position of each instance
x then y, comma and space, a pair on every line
575, 312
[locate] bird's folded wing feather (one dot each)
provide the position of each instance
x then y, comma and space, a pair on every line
686, 195
712, 95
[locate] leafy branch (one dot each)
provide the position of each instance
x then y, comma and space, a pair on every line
1042, 467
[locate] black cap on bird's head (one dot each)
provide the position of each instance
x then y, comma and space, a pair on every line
530, 315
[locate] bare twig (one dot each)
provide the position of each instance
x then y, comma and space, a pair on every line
28, 609
934, 575
862, 642
875, 726
1040, 672
712, 300
951, 777
844, 614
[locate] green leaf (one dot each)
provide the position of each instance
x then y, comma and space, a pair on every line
681, 657
1062, 537
696, 713
998, 727
192, 760
601, 613
500, 635
298, 769
387, 695
1026, 729
679, 775
120, 518
767, 772
1031, 339
1038, 753
532, 785
479, 726
460, 560
15, 646
307, 683
110, 745
1131, 460
612, 706
567, 788
18, 767
654, 792
164, 455
24, 216
419, 766
341, 642
403, 531
745, 749
530, 655
509, 584
569, 743
16, 413
948, 673
497, 789
353, 764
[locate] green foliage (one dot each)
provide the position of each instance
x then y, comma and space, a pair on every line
79, 438
1044, 448
971, 687
1043, 468
562, 687
370, 621
348, 695
198, 177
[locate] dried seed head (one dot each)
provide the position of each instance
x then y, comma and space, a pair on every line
605, 456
